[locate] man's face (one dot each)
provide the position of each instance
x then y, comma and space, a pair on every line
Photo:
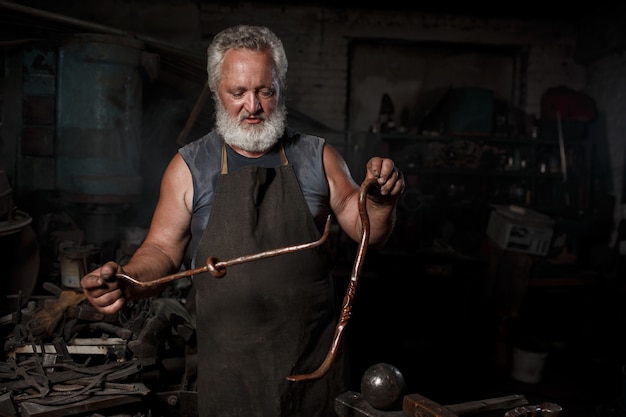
249, 112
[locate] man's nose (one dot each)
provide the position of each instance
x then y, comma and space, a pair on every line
252, 103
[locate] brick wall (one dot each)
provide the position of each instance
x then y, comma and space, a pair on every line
317, 41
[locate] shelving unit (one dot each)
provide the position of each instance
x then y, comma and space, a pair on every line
453, 181
496, 170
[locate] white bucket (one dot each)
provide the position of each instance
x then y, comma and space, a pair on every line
528, 366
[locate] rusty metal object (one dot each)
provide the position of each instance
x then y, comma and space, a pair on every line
545, 409
217, 268
348, 299
354, 404
175, 403
52, 389
82, 405
112, 329
416, 405
163, 311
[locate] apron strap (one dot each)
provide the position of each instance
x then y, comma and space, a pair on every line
283, 157
224, 159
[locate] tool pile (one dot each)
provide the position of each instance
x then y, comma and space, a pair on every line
62, 357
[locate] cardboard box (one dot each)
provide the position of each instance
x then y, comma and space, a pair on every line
520, 230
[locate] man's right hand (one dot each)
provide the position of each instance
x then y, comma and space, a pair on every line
103, 289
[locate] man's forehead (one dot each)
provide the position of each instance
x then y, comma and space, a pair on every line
250, 70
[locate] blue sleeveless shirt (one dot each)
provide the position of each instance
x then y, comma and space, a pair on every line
304, 153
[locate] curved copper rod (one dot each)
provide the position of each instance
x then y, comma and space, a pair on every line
348, 299
217, 268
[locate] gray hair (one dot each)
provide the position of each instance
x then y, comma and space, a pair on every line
254, 38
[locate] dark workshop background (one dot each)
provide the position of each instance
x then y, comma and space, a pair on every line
473, 102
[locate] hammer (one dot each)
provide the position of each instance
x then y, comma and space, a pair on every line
353, 404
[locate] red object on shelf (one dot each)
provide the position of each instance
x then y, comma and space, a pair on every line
572, 105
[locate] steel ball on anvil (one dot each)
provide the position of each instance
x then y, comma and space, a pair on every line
383, 386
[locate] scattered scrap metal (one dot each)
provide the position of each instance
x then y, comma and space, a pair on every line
62, 357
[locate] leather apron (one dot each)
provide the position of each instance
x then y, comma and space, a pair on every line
267, 319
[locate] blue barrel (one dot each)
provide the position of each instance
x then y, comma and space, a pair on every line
99, 110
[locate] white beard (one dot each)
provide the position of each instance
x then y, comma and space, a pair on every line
251, 138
